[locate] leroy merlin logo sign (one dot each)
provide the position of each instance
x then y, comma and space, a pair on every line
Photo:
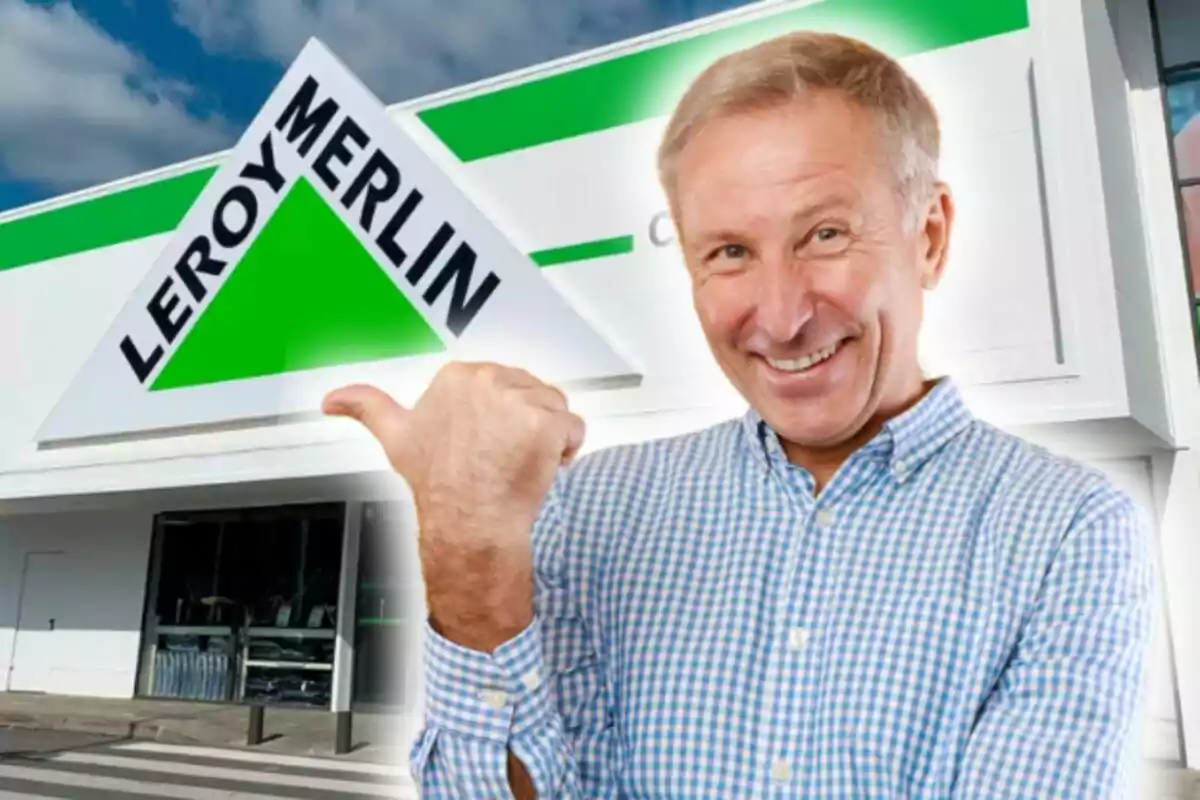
235, 218
328, 241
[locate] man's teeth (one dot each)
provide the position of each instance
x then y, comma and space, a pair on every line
804, 362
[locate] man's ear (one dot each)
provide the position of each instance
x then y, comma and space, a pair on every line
937, 223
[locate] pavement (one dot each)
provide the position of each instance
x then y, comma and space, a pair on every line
376, 737
102, 739
81, 766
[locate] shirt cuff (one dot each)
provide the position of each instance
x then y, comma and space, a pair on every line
490, 696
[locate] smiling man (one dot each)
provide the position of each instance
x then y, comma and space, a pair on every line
856, 590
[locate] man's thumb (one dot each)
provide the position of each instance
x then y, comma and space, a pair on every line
374, 408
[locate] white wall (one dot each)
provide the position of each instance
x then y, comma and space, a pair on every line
105, 556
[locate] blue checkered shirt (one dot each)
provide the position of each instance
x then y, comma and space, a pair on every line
956, 614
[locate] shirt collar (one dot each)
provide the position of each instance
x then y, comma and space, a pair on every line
906, 442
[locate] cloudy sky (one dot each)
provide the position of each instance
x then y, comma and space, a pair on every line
92, 90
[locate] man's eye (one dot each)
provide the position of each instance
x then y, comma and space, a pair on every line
729, 251
828, 240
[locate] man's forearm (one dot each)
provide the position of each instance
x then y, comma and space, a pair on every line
479, 599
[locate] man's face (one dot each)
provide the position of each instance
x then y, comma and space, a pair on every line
808, 286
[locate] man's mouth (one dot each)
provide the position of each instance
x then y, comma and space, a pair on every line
805, 363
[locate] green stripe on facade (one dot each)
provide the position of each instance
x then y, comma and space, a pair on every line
621, 90
121, 216
159, 208
583, 251
646, 84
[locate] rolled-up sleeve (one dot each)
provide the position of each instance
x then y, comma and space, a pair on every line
536, 695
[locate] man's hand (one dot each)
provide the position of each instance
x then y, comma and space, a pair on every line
480, 450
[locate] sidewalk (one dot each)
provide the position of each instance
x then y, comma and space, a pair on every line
377, 737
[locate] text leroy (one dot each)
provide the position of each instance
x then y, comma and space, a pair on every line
378, 181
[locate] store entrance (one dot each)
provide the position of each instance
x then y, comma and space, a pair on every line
242, 605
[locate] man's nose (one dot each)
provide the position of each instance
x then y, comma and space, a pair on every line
785, 301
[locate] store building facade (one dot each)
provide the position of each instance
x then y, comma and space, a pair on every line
269, 557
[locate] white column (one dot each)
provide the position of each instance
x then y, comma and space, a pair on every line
1176, 479
343, 659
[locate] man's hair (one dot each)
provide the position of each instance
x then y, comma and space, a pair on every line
785, 69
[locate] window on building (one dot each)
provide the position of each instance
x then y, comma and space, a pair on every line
242, 605
1177, 28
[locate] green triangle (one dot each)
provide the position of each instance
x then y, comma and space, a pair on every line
306, 294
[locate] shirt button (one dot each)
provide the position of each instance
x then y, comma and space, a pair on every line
781, 771
495, 698
797, 638
824, 517
531, 679
900, 467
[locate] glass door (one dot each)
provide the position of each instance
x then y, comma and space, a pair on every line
243, 605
